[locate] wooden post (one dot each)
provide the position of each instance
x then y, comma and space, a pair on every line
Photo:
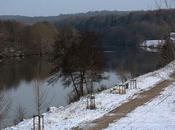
136, 83
40, 122
33, 122
119, 89
91, 102
130, 84
87, 102
133, 84
127, 85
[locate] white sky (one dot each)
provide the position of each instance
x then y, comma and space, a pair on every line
55, 7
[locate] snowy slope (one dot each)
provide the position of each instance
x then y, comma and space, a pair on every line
159, 114
76, 113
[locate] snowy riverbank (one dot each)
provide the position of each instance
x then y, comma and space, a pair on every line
76, 113
159, 114
153, 43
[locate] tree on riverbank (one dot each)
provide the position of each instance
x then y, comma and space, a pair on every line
168, 50
78, 59
40, 97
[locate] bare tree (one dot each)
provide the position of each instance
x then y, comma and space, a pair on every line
167, 4
78, 59
168, 50
40, 96
4, 107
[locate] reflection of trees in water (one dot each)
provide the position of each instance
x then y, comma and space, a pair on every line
14, 71
140, 62
132, 62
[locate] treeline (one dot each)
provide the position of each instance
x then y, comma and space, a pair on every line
17, 39
61, 17
116, 29
127, 29
77, 57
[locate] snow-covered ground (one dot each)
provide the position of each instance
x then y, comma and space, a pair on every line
76, 113
159, 114
172, 36
152, 45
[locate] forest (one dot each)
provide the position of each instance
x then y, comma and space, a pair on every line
130, 28
115, 29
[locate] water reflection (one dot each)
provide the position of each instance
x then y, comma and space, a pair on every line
13, 71
151, 49
132, 60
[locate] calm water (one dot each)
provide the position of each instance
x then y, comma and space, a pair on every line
17, 79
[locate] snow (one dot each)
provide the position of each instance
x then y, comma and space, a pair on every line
159, 114
76, 113
172, 36
153, 43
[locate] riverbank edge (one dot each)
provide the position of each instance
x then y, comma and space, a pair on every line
163, 73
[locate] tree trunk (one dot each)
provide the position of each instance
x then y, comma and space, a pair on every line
75, 87
81, 83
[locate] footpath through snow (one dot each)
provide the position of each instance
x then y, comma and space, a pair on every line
76, 114
159, 114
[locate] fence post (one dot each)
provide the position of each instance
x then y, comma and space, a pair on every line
40, 124
136, 84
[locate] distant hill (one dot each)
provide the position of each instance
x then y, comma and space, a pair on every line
126, 28
61, 17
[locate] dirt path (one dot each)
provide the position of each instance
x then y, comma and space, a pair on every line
127, 107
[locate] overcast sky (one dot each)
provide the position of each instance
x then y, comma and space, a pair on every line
55, 7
